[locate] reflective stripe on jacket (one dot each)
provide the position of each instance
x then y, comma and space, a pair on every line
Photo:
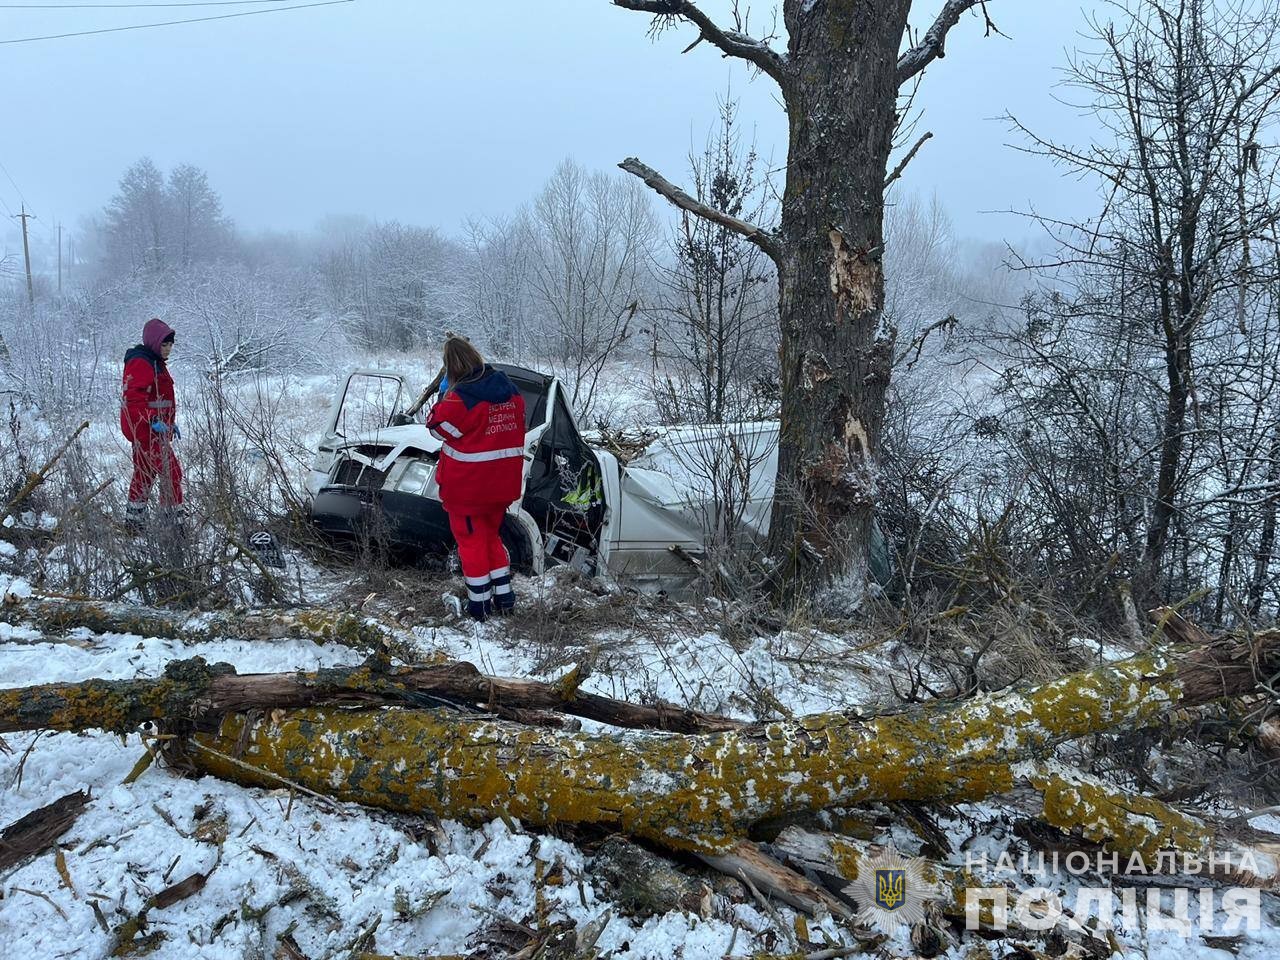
147, 394
482, 460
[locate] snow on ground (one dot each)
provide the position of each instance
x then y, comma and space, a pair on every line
330, 871
680, 655
326, 872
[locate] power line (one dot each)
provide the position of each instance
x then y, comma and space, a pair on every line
11, 181
131, 6
170, 23
44, 225
8, 209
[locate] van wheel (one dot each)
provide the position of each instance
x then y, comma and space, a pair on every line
518, 546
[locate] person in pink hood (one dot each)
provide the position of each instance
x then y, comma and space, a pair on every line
148, 420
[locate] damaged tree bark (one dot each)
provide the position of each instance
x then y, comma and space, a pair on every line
39, 829
840, 80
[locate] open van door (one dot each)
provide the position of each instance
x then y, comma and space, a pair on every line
368, 402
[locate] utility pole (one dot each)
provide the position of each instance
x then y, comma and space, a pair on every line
26, 251
59, 259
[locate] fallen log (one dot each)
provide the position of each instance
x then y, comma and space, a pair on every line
1137, 829
643, 884
1140, 828
699, 793
193, 689
703, 792
323, 626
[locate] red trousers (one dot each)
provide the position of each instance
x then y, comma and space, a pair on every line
152, 458
485, 563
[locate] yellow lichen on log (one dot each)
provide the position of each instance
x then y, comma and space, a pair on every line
1101, 813
194, 690
319, 625
1131, 824
695, 792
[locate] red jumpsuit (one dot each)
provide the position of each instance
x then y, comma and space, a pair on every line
480, 421
148, 398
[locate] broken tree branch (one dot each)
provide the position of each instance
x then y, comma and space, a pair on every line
932, 45
427, 393
762, 238
39, 476
194, 689
731, 43
747, 862
911, 154
35, 832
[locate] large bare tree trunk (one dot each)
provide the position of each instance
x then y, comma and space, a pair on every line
840, 81
836, 348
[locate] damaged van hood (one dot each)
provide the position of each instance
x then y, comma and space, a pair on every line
389, 443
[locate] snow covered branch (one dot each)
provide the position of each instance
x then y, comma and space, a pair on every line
732, 43
762, 238
933, 45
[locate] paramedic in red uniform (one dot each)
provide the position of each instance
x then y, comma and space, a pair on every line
148, 419
480, 421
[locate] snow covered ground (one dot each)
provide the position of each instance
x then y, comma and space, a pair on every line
324, 873
354, 865
327, 871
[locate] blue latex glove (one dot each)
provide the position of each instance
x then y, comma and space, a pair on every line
158, 427
177, 434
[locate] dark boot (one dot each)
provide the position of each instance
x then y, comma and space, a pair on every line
504, 598
479, 599
135, 517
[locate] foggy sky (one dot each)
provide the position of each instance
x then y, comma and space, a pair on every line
432, 112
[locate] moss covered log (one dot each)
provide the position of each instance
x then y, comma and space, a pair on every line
117, 706
194, 690
320, 625
701, 792
1100, 813
1091, 811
